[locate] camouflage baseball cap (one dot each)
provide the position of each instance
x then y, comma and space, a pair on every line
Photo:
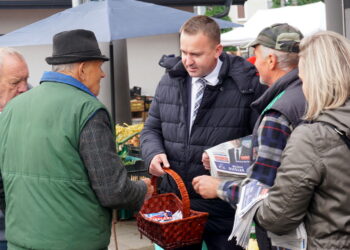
280, 36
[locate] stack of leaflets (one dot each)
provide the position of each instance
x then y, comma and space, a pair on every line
251, 195
296, 239
231, 159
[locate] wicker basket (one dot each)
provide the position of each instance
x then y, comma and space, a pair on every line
177, 233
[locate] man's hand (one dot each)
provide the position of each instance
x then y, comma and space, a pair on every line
150, 188
206, 186
158, 162
205, 160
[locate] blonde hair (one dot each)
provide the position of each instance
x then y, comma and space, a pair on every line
324, 66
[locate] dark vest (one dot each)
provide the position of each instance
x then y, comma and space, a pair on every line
285, 96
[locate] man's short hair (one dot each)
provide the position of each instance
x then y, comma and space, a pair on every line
203, 24
63, 67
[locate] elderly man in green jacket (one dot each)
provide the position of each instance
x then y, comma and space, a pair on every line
58, 160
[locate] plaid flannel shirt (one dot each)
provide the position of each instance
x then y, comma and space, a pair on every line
273, 133
107, 175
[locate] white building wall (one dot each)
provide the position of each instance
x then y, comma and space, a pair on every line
35, 57
143, 53
143, 57
253, 5
250, 7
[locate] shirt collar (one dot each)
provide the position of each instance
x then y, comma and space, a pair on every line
213, 77
62, 78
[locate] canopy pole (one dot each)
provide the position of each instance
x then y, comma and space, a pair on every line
111, 66
338, 16
120, 91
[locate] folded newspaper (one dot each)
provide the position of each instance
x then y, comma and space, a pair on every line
251, 196
231, 159
296, 239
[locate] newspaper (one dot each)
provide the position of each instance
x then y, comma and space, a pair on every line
231, 159
252, 192
296, 239
251, 196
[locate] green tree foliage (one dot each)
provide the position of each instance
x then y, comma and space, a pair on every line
213, 10
277, 3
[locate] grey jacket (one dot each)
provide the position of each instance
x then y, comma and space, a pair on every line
312, 184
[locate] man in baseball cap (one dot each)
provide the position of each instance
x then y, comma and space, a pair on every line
281, 107
276, 51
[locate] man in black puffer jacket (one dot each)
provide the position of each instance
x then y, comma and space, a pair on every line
203, 99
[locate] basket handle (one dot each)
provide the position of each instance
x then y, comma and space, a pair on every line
182, 188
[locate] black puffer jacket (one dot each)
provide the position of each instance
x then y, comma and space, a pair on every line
224, 114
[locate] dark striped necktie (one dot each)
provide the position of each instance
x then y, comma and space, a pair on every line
199, 96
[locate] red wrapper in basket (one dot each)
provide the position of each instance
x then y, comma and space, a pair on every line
177, 233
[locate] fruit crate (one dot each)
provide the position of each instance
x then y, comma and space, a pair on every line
137, 171
133, 151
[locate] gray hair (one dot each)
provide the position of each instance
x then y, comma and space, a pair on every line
285, 60
63, 67
9, 51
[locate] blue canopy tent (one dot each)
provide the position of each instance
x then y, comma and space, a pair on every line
110, 20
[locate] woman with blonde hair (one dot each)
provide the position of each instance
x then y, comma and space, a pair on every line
312, 184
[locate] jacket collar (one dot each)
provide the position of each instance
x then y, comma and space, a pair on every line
339, 117
239, 70
234, 67
288, 80
65, 79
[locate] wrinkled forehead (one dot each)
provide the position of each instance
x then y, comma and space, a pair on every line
14, 67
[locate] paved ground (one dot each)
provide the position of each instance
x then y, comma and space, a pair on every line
128, 237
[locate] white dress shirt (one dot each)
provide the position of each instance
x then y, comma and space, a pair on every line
212, 79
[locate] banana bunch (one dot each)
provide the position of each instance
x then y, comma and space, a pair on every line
127, 133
